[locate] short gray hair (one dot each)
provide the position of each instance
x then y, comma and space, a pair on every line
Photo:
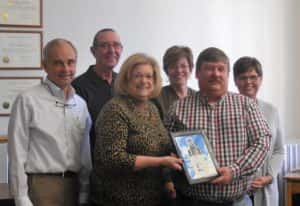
95, 42
55, 42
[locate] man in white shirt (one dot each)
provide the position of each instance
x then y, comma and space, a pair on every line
48, 144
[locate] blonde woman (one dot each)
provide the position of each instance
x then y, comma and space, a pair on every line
132, 145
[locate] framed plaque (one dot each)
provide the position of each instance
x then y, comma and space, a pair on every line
10, 87
21, 13
20, 50
194, 149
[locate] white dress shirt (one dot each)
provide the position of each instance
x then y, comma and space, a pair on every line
48, 134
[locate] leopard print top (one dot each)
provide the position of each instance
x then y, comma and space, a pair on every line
122, 133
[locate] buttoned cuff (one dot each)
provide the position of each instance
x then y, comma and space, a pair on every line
235, 171
271, 178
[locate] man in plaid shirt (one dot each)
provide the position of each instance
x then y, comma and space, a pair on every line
234, 127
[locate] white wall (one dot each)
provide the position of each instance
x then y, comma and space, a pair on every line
266, 29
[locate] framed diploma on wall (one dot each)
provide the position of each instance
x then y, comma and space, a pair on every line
21, 13
198, 158
10, 87
3, 139
20, 50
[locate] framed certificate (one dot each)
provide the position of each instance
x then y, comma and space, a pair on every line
194, 149
3, 139
21, 13
20, 49
10, 87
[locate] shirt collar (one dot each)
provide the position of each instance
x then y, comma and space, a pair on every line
56, 91
204, 98
95, 78
172, 90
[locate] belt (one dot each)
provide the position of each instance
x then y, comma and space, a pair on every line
207, 203
65, 174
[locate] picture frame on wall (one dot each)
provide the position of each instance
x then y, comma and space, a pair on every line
21, 13
194, 149
3, 139
20, 50
11, 87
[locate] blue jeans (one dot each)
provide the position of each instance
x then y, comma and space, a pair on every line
245, 201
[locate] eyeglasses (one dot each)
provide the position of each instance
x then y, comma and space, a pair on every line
141, 76
107, 45
179, 66
252, 78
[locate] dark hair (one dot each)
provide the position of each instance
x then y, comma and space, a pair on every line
245, 64
212, 54
174, 53
99, 32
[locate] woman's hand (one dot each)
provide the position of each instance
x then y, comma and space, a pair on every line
260, 182
172, 162
170, 190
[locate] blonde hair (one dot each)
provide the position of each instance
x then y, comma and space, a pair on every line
122, 80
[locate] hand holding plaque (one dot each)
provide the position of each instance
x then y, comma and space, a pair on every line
198, 159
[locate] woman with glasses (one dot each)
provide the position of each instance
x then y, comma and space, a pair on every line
248, 76
132, 146
178, 65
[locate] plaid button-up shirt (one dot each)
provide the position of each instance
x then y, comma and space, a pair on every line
237, 133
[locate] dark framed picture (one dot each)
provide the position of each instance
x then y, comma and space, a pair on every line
198, 158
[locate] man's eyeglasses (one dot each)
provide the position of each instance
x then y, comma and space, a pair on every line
107, 45
252, 78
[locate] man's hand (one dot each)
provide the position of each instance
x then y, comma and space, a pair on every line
225, 176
